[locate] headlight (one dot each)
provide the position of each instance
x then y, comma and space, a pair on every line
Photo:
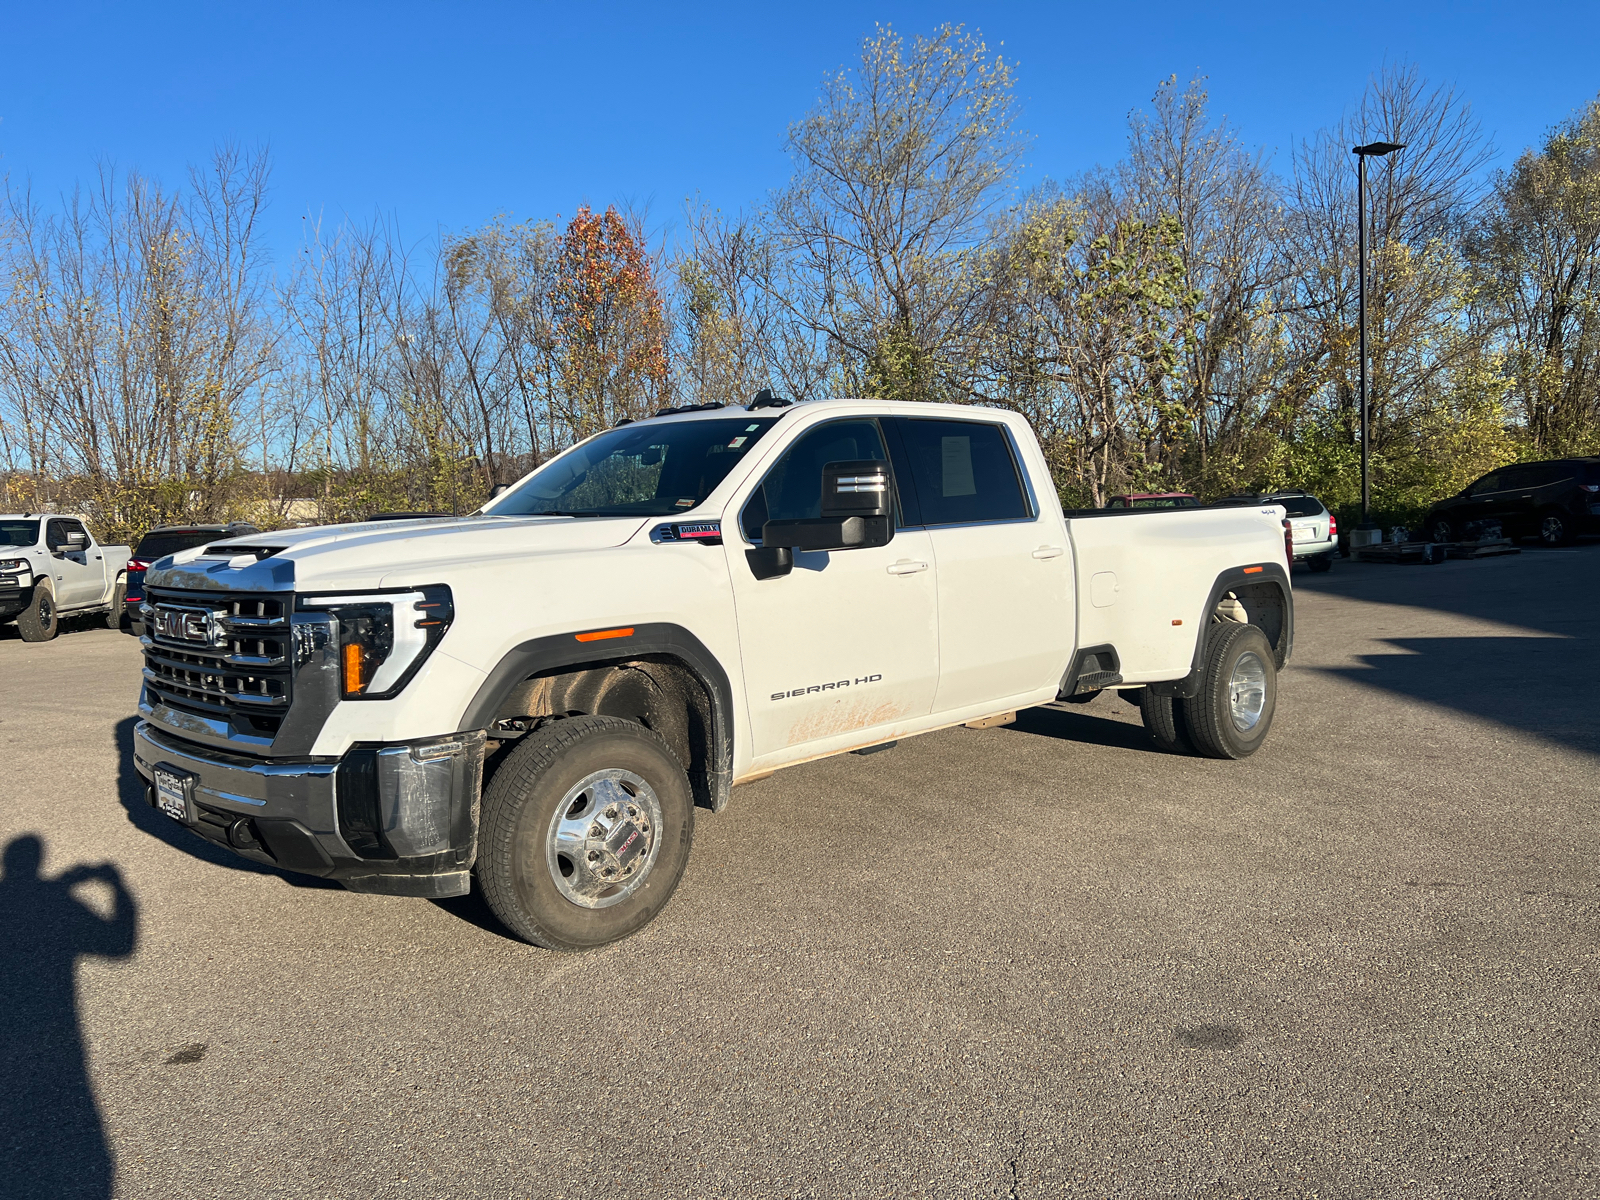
384, 637
15, 564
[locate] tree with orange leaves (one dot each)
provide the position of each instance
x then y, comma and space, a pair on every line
610, 329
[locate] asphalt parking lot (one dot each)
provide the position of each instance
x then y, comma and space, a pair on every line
1039, 960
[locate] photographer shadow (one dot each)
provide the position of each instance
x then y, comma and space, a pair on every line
52, 1140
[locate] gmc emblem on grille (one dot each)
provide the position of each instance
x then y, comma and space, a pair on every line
187, 625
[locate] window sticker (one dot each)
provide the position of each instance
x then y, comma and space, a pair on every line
957, 466
686, 502
737, 442
751, 428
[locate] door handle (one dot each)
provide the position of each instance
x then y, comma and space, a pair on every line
1049, 552
906, 567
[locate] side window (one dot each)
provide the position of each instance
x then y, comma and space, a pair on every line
963, 471
55, 533
77, 528
792, 489
1524, 478
1489, 483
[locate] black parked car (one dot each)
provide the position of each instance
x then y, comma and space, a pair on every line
1553, 501
162, 541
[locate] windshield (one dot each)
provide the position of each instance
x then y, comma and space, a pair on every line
19, 533
648, 469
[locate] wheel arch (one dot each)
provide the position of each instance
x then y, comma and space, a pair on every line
660, 675
1268, 599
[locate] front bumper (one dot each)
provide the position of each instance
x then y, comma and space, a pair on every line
396, 819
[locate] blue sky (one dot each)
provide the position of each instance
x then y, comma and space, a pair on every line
441, 115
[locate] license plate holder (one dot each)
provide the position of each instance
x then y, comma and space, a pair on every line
174, 794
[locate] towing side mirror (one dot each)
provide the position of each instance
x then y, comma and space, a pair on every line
857, 511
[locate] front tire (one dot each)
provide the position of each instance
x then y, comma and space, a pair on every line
1238, 693
586, 833
1441, 531
39, 622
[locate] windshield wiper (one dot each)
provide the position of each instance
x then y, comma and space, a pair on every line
562, 512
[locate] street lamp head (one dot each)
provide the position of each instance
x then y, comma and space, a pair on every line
1377, 149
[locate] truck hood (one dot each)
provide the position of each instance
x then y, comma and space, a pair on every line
14, 551
381, 553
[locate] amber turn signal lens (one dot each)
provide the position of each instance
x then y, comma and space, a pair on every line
353, 682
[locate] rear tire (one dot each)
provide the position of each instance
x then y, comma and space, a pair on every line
1441, 530
1164, 718
119, 596
1238, 693
554, 859
1554, 528
1320, 562
39, 622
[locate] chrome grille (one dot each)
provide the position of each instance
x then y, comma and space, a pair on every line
221, 655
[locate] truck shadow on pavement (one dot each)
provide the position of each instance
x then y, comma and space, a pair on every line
130, 791
52, 1139
1082, 724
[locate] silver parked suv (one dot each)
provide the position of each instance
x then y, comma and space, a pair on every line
1316, 530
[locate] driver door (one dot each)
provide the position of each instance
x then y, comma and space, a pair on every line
844, 649
79, 578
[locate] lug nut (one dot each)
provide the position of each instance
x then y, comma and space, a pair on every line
612, 812
596, 831
632, 811
594, 856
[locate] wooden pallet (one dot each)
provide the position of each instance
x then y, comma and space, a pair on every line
1432, 552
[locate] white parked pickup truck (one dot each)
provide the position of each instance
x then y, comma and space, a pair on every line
51, 567
542, 693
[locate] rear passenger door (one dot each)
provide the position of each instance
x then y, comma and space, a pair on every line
1516, 499
1004, 573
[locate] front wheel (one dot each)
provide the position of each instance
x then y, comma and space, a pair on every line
1441, 531
586, 832
39, 622
1238, 693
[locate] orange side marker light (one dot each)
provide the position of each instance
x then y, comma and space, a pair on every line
352, 669
1252, 570
602, 634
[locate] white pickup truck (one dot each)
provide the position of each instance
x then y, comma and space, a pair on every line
542, 693
51, 567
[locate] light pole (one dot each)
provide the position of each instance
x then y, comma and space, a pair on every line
1362, 153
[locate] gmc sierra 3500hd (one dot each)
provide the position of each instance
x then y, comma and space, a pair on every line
543, 692
51, 567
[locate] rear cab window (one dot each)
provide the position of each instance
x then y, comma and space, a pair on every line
161, 543
961, 472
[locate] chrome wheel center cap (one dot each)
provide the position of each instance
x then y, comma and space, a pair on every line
1247, 691
604, 838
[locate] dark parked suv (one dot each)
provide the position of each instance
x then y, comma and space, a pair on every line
1553, 501
160, 542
